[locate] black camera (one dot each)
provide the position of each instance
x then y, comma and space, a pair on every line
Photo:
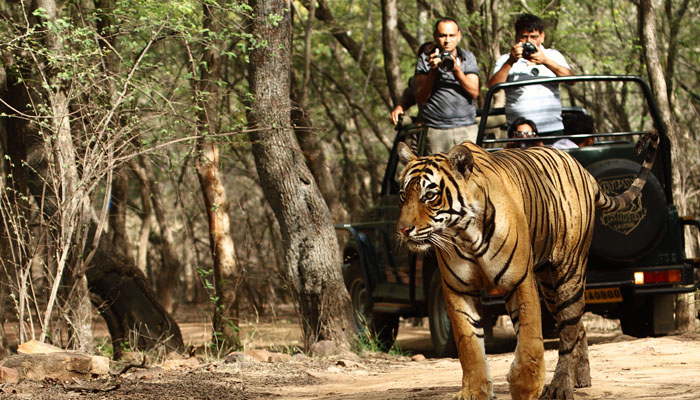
528, 49
446, 60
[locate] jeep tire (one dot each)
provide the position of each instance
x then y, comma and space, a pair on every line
370, 326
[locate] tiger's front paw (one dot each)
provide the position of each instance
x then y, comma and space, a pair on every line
526, 379
559, 389
583, 376
465, 394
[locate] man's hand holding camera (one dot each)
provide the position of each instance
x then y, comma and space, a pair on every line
445, 60
529, 51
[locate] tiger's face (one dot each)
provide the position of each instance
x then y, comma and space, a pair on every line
429, 197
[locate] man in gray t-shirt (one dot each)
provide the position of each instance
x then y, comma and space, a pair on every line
447, 95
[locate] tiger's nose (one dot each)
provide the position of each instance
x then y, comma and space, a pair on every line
404, 230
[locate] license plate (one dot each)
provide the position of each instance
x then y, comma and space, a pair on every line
607, 295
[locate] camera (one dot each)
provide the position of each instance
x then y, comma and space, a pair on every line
528, 49
446, 60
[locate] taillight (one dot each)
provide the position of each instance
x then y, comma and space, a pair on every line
663, 276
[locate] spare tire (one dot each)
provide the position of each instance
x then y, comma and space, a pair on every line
629, 234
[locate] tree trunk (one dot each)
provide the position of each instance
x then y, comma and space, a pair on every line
117, 212
167, 282
309, 241
73, 212
81, 313
119, 290
412, 41
123, 297
390, 43
227, 272
316, 160
146, 213
685, 304
13, 201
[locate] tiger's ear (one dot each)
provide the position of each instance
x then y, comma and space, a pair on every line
461, 160
405, 153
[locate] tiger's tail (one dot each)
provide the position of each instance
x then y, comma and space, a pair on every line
607, 203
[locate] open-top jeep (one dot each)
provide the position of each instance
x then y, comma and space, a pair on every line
637, 260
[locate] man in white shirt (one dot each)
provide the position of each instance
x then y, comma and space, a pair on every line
529, 59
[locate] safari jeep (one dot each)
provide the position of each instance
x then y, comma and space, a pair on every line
637, 260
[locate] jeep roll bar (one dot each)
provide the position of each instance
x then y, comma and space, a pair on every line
664, 152
658, 123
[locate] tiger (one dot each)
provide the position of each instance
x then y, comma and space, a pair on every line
513, 219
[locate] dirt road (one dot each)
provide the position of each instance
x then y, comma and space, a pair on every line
622, 368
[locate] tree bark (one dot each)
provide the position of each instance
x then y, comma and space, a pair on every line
390, 42
676, 19
146, 213
316, 160
309, 241
685, 303
117, 212
413, 41
80, 311
303, 92
166, 279
121, 293
227, 272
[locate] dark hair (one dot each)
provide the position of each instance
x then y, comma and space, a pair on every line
446, 19
520, 121
578, 124
529, 23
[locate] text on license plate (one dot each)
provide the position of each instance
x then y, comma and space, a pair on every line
607, 295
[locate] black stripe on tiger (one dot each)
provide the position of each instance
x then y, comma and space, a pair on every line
506, 265
463, 292
571, 300
487, 227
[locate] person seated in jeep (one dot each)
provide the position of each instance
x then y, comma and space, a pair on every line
576, 124
523, 128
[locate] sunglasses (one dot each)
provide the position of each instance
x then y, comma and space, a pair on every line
524, 134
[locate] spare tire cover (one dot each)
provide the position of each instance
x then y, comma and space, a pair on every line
631, 233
